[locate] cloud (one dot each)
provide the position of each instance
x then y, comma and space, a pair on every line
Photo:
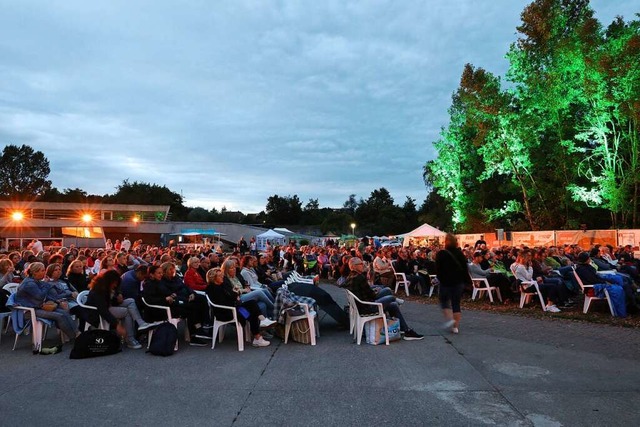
231, 102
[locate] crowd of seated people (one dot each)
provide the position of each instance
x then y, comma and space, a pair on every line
178, 278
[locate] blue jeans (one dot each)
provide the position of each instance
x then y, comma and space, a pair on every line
262, 297
624, 282
390, 306
63, 321
382, 291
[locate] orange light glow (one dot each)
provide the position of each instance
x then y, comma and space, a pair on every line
86, 218
17, 216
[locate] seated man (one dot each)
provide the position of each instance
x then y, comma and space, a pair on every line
417, 282
358, 285
383, 269
612, 276
499, 280
589, 276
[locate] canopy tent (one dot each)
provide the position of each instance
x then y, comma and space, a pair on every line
191, 232
272, 236
197, 232
424, 232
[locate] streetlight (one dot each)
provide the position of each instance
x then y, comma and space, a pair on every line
353, 228
17, 218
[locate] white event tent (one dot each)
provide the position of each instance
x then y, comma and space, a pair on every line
272, 236
425, 231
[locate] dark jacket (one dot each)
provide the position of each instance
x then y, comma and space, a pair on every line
588, 275
223, 295
358, 285
102, 300
155, 292
451, 267
78, 281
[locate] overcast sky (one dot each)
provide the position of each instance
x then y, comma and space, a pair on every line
231, 102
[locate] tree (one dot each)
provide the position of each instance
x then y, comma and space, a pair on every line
199, 215
351, 204
149, 194
284, 210
410, 213
24, 172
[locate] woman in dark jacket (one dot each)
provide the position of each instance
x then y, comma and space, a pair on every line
104, 296
165, 288
221, 292
76, 276
453, 275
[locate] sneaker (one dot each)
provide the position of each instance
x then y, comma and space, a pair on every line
203, 334
411, 335
260, 342
134, 344
454, 330
266, 335
448, 324
266, 323
400, 301
197, 342
552, 309
207, 326
144, 326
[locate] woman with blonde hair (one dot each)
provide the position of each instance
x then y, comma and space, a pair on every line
221, 292
76, 275
34, 292
261, 296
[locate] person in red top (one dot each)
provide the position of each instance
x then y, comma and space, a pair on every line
192, 278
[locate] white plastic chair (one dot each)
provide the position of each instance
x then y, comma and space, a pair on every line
528, 290
37, 327
309, 315
173, 320
361, 319
434, 282
11, 288
480, 286
219, 326
352, 314
401, 280
297, 277
82, 302
588, 299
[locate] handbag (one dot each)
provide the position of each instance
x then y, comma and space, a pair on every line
301, 332
375, 333
49, 306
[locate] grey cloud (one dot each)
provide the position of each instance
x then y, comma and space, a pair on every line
231, 102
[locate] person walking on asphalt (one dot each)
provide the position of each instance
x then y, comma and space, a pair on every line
453, 274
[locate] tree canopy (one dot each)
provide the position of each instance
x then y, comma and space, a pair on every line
24, 172
559, 145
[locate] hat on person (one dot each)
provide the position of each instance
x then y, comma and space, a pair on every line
583, 257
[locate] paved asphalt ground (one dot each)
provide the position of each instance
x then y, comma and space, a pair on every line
500, 370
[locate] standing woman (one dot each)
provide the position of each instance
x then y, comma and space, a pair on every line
453, 275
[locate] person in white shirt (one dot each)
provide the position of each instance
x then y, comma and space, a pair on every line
126, 244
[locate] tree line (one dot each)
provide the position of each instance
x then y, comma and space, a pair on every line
28, 172
558, 145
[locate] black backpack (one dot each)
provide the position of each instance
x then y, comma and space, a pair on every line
95, 343
163, 340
